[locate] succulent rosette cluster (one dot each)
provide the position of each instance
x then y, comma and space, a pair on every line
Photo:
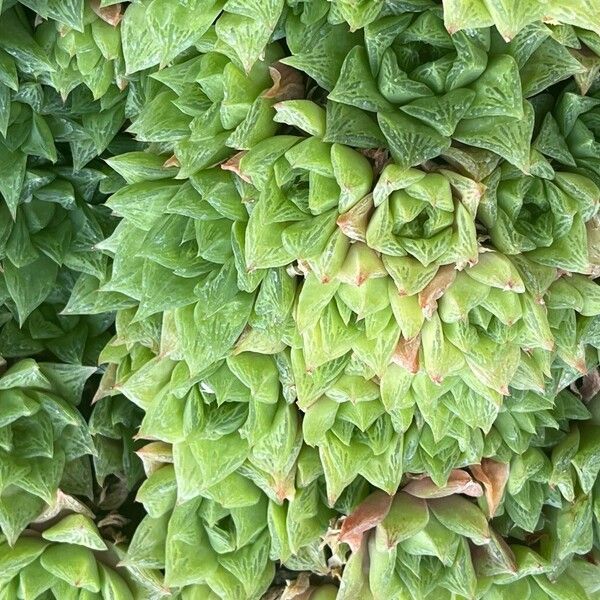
46, 444
337, 262
69, 557
52, 184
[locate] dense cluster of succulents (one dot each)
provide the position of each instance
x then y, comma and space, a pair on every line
68, 557
52, 186
320, 276
45, 440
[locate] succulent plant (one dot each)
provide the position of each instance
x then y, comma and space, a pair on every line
69, 558
429, 542
46, 444
51, 216
370, 294
338, 261
553, 479
85, 48
389, 324
201, 542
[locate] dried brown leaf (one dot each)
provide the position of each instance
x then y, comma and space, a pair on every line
233, 165
459, 482
369, 513
173, 161
435, 289
122, 83
288, 83
493, 475
407, 353
354, 223
379, 158
298, 589
590, 385
110, 14
113, 519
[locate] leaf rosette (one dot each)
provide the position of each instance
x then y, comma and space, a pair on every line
46, 444
51, 216
222, 541
387, 337
430, 542
68, 557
